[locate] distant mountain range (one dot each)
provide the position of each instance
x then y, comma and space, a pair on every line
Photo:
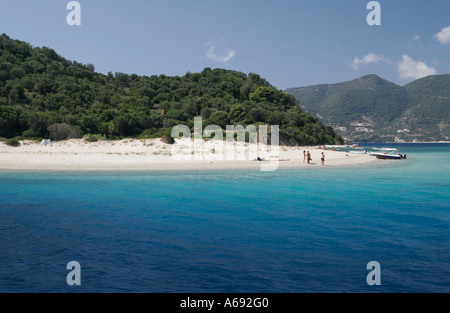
372, 109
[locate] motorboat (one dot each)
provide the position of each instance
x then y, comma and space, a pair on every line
382, 156
388, 154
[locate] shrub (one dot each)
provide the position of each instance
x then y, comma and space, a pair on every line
167, 137
93, 138
62, 131
30, 134
13, 142
150, 133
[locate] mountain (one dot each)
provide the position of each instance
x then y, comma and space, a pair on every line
429, 107
44, 95
371, 109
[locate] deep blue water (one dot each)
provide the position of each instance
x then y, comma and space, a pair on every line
285, 231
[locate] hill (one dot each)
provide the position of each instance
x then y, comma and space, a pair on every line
44, 95
371, 109
429, 107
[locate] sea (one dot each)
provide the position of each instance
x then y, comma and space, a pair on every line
311, 230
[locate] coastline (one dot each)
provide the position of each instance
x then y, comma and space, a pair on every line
76, 155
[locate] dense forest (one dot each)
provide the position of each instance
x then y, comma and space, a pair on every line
43, 95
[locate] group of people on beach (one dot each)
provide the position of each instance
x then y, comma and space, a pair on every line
307, 158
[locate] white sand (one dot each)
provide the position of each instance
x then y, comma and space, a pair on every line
152, 154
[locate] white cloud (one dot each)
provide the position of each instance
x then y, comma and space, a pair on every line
368, 59
409, 68
416, 37
443, 36
211, 54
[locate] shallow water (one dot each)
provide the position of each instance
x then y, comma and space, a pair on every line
237, 231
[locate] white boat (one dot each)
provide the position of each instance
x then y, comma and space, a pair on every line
385, 149
382, 151
385, 156
388, 154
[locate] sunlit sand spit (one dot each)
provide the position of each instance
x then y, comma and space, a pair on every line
153, 154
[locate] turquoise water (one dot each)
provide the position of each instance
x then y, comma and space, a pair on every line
309, 230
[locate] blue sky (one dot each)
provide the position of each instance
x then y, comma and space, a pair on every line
291, 43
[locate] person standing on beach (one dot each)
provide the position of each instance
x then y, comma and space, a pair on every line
323, 159
308, 157
304, 156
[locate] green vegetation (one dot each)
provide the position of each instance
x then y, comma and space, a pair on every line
429, 105
167, 138
93, 138
44, 95
13, 142
375, 110
62, 131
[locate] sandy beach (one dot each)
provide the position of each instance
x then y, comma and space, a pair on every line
152, 154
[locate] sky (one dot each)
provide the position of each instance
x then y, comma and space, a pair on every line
291, 43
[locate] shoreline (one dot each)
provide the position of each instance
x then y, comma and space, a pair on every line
137, 155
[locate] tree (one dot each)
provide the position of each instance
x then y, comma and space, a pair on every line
62, 131
258, 114
175, 114
219, 118
111, 129
10, 121
16, 93
268, 94
237, 113
43, 94
17, 72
